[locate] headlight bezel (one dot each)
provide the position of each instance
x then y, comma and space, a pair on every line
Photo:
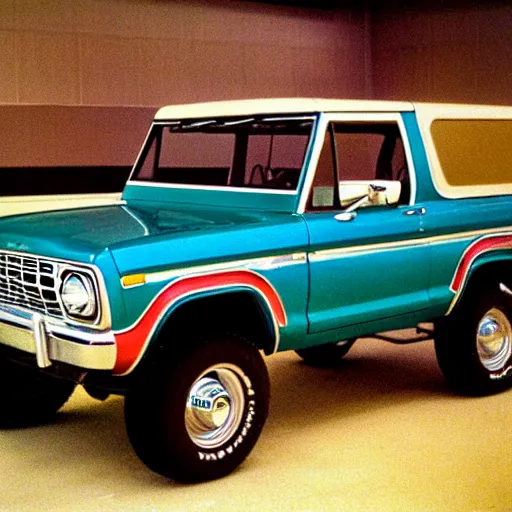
101, 319
84, 308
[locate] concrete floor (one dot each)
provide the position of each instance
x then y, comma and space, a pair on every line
381, 432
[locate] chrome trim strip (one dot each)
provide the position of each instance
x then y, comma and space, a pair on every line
327, 254
89, 350
41, 341
332, 254
267, 263
156, 184
466, 235
24, 319
226, 115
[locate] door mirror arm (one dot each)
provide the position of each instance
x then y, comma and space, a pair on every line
371, 197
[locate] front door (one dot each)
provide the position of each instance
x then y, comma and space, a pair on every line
374, 264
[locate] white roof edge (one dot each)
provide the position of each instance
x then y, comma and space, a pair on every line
309, 105
432, 111
277, 106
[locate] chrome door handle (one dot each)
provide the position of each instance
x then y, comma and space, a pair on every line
415, 211
345, 216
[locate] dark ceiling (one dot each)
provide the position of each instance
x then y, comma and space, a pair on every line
382, 4
313, 4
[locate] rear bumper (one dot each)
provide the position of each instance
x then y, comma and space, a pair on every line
36, 334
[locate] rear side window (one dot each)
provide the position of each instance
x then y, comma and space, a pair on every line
474, 152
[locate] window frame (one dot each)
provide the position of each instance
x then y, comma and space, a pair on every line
160, 125
426, 114
324, 121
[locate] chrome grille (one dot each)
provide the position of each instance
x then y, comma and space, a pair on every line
29, 282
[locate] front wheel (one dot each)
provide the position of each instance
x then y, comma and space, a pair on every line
474, 344
198, 417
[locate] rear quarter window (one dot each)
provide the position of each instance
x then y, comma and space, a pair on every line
474, 152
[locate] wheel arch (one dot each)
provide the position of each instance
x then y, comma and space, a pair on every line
227, 303
486, 266
242, 301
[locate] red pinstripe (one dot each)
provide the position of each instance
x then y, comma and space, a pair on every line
130, 343
473, 251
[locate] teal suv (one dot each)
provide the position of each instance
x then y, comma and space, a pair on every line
252, 227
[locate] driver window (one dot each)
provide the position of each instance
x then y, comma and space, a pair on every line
358, 152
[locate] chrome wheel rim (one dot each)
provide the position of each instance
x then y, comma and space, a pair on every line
494, 340
215, 406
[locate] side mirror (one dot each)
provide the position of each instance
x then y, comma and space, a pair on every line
369, 193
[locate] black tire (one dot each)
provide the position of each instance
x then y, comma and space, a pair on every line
472, 363
165, 413
326, 355
28, 397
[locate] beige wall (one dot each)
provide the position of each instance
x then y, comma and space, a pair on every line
462, 54
115, 53
47, 136
147, 52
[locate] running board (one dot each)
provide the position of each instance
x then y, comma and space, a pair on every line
424, 333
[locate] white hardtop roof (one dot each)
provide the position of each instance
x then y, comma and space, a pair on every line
277, 106
427, 111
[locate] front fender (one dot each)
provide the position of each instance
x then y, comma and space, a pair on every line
133, 342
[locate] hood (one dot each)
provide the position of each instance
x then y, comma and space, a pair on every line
144, 237
77, 235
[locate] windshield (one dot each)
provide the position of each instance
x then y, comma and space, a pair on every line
238, 152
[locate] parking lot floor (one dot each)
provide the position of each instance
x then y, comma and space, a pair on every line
380, 431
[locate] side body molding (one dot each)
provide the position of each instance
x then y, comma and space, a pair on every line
470, 261
133, 341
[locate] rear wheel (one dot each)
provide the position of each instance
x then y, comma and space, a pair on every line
328, 354
28, 397
474, 344
198, 417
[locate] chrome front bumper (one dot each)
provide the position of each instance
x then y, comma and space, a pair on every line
49, 341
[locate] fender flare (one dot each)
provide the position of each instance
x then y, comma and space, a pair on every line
133, 341
484, 251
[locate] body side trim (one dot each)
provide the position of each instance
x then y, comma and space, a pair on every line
266, 263
133, 341
413, 242
481, 246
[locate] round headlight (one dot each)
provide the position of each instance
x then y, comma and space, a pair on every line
78, 296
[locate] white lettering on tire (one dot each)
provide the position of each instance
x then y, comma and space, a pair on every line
230, 449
